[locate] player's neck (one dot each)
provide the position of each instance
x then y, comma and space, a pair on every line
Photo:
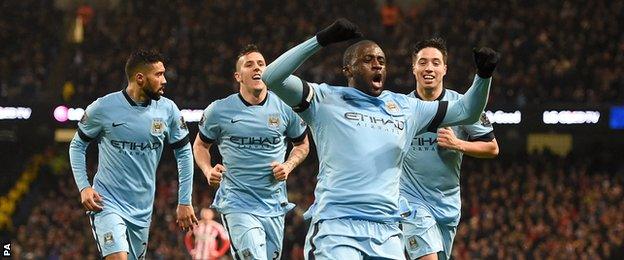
253, 97
429, 94
135, 93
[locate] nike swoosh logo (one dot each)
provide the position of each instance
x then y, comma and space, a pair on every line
116, 125
234, 121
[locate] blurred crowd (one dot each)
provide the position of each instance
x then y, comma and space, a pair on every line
31, 38
542, 207
536, 207
553, 51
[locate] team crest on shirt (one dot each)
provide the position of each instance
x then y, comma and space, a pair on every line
274, 120
108, 239
392, 107
182, 123
84, 118
158, 126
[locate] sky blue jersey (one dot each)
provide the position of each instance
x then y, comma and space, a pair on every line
130, 142
249, 138
361, 140
431, 174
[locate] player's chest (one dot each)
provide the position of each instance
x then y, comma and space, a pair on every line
149, 124
254, 122
377, 117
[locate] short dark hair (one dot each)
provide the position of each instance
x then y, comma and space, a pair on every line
434, 42
349, 54
249, 48
141, 58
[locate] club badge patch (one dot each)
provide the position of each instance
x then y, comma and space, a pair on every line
108, 239
158, 126
84, 118
412, 242
485, 121
202, 120
274, 120
182, 123
246, 254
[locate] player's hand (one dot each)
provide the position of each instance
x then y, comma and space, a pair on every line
185, 217
91, 199
486, 60
281, 170
448, 140
216, 174
341, 30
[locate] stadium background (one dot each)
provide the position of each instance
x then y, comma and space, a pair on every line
557, 103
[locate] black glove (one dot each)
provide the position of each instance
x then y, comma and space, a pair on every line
341, 30
486, 60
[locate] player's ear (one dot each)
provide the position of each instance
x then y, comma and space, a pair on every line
346, 70
237, 77
139, 77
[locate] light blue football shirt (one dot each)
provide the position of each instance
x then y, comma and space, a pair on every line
361, 141
431, 174
130, 142
249, 138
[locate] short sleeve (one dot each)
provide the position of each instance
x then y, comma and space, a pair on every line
209, 129
296, 127
482, 130
318, 92
178, 130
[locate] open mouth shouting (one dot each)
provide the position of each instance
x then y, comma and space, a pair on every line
377, 81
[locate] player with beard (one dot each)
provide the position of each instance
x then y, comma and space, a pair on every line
130, 127
252, 130
362, 133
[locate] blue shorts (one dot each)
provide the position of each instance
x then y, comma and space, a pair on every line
423, 235
114, 234
255, 237
344, 239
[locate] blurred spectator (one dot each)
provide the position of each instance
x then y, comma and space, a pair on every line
390, 15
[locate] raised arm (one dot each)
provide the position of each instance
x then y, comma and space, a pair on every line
468, 109
278, 75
